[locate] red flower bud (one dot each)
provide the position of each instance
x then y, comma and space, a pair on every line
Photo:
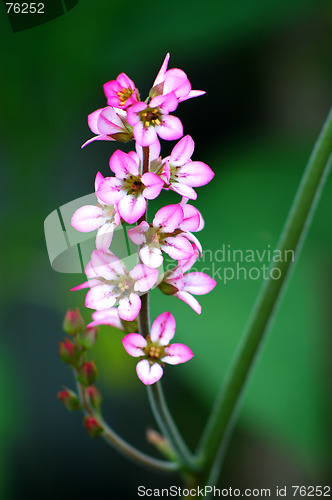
69, 399
69, 352
73, 322
94, 396
88, 373
88, 337
93, 427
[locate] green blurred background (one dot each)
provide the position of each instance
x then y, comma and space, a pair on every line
266, 67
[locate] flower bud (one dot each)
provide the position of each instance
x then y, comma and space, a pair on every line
69, 352
73, 322
88, 373
93, 427
88, 338
95, 397
69, 399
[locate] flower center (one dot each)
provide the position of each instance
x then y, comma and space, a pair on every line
124, 286
151, 117
110, 212
124, 95
133, 185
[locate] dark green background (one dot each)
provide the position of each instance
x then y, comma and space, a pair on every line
266, 67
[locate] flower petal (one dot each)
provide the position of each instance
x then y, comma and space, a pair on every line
88, 218
170, 129
153, 185
177, 353
178, 247
168, 218
137, 233
110, 190
98, 180
123, 165
93, 120
145, 136
104, 236
134, 344
147, 373
131, 208
192, 93
183, 190
106, 317
162, 71
182, 151
195, 174
100, 297
106, 265
193, 220
129, 307
198, 283
190, 300
163, 329
151, 256
145, 277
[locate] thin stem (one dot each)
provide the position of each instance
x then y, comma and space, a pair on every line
214, 441
120, 444
156, 398
167, 425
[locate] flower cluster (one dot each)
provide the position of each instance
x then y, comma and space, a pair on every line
115, 292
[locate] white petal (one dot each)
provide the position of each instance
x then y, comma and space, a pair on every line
147, 373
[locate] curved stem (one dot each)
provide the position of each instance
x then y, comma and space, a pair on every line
120, 444
214, 441
167, 425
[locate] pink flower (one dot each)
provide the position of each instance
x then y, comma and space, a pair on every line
111, 283
173, 80
153, 119
183, 285
103, 217
163, 235
109, 125
156, 350
129, 190
181, 174
121, 92
107, 317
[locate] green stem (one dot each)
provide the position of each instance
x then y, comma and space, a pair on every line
120, 444
214, 441
156, 398
167, 425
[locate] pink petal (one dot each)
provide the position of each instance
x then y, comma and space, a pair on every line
175, 277
193, 93
131, 208
193, 220
123, 164
88, 218
145, 136
106, 265
144, 276
110, 191
154, 185
178, 247
195, 240
163, 329
93, 119
137, 233
125, 81
108, 127
134, 344
100, 297
147, 373
170, 129
190, 300
176, 81
104, 237
183, 190
106, 317
87, 284
195, 173
151, 256
168, 218
98, 180
97, 138
198, 283
154, 151
162, 71
132, 113
129, 307
182, 151
177, 353
167, 103
186, 264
